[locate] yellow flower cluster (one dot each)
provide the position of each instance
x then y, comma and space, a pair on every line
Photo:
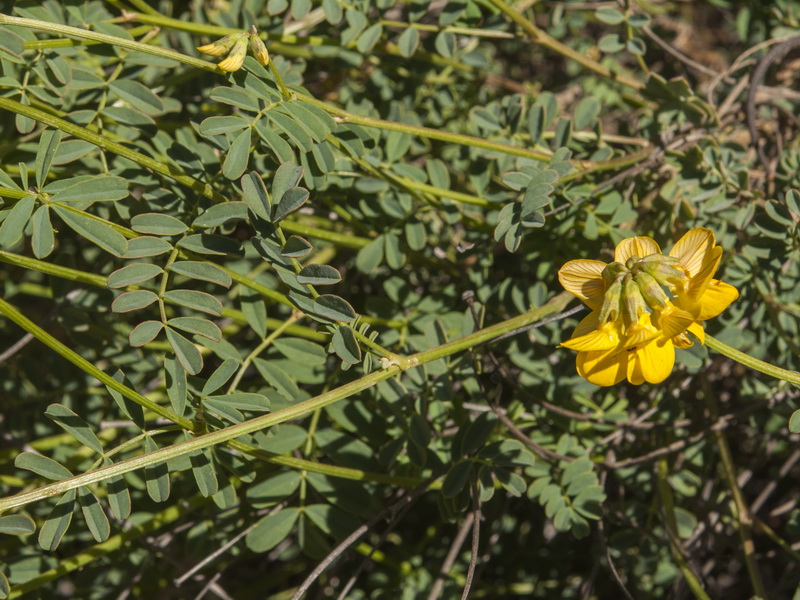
643, 303
235, 46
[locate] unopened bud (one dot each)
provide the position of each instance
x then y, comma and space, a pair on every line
633, 305
259, 50
662, 269
653, 294
609, 310
235, 59
613, 270
222, 46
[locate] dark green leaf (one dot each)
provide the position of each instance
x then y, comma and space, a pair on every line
456, 478
57, 522
408, 42
186, 352
235, 96
272, 530
94, 516
222, 213
176, 384
296, 247
42, 465
318, 275
204, 474
145, 246
144, 333
14, 224
48, 144
17, 525
197, 326
133, 274
291, 201
156, 476
119, 498
255, 195
238, 156
158, 224
94, 230
346, 345
197, 300
134, 300
43, 240
202, 271
219, 125
74, 425
210, 243
334, 308
96, 189
220, 376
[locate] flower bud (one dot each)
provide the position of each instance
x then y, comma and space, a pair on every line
613, 270
662, 269
235, 59
609, 310
259, 50
633, 305
221, 46
653, 294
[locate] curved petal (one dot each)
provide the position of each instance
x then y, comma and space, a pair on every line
588, 324
692, 249
657, 360
603, 368
716, 298
584, 279
605, 337
640, 246
642, 332
674, 321
697, 330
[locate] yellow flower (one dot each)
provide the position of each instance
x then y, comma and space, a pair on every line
642, 305
221, 46
235, 59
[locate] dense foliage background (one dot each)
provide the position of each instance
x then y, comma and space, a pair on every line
211, 283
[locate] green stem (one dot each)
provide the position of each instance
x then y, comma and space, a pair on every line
540, 37
296, 411
103, 38
118, 149
753, 363
742, 516
51, 342
664, 491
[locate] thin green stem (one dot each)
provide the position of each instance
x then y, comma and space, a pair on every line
662, 471
753, 363
103, 38
259, 349
540, 37
296, 411
118, 149
11, 312
742, 515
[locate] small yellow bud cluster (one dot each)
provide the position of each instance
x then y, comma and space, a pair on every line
637, 287
235, 46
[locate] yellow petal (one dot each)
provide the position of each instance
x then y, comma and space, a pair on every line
697, 330
716, 298
652, 362
682, 340
213, 49
674, 321
584, 279
657, 360
604, 338
640, 246
233, 63
588, 324
603, 368
692, 249
642, 332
